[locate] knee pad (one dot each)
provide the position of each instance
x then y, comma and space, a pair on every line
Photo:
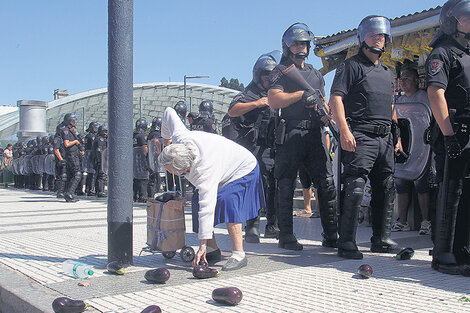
354, 189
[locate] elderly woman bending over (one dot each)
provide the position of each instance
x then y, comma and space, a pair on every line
227, 181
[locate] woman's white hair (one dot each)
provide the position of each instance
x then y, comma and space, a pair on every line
178, 156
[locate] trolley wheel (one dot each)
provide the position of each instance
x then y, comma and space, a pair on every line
169, 254
187, 254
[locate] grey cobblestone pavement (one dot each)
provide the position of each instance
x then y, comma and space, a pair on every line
38, 232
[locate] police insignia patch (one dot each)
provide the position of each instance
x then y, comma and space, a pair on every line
435, 66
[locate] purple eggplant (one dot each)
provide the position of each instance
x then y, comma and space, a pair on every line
115, 267
159, 275
202, 271
67, 305
365, 270
405, 254
152, 309
227, 295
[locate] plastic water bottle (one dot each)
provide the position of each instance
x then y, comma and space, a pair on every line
77, 269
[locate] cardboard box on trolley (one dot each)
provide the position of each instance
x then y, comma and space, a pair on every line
166, 225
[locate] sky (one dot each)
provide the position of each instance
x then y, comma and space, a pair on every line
50, 44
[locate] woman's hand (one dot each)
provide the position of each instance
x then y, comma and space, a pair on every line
201, 253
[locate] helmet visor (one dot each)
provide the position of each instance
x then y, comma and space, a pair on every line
462, 9
374, 26
297, 32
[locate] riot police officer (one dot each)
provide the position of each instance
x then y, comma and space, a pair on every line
181, 107
98, 147
253, 121
91, 177
81, 157
69, 135
155, 138
205, 120
141, 173
448, 81
362, 103
60, 163
299, 137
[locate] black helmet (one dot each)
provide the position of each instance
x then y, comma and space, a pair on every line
265, 64
39, 140
157, 123
450, 12
45, 140
69, 117
93, 127
181, 107
141, 123
103, 127
34, 143
58, 127
374, 25
296, 32
51, 138
206, 108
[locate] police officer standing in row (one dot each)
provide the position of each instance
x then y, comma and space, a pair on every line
91, 177
141, 174
69, 135
98, 147
205, 120
448, 81
299, 138
60, 163
362, 103
253, 121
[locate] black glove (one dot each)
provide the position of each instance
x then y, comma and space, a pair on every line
453, 148
309, 99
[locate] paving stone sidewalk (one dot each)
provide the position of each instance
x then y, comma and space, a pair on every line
38, 232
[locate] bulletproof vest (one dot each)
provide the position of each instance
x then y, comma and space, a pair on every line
297, 110
458, 88
370, 98
90, 137
203, 124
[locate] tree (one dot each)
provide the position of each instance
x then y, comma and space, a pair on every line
233, 84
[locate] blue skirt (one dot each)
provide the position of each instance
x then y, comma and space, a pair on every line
237, 202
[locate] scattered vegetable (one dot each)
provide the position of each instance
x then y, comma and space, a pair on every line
365, 270
67, 305
152, 309
159, 275
227, 295
115, 267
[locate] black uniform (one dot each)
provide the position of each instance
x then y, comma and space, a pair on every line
367, 91
72, 156
305, 144
254, 131
91, 173
448, 67
140, 184
206, 124
60, 166
98, 147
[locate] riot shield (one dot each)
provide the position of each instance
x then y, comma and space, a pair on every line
413, 120
35, 164
16, 167
28, 167
42, 158
49, 164
104, 160
88, 162
9, 164
21, 169
155, 147
141, 169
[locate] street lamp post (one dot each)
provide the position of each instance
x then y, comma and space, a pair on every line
190, 77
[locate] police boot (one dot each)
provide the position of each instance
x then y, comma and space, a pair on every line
68, 196
271, 230
382, 210
252, 230
328, 215
60, 188
443, 259
289, 242
353, 192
